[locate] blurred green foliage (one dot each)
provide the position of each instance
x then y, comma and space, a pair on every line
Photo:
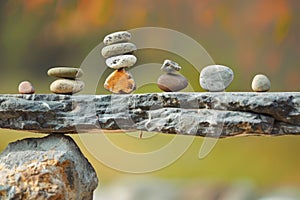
251, 37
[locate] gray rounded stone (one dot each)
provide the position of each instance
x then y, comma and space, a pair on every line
216, 78
65, 72
170, 66
261, 83
121, 61
118, 49
172, 82
117, 37
25, 87
66, 86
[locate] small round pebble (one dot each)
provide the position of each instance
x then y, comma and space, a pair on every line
216, 78
66, 86
117, 37
65, 72
26, 87
170, 66
261, 83
118, 62
118, 49
172, 82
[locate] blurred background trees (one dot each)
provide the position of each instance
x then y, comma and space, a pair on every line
251, 37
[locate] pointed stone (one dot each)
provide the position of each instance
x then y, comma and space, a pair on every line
170, 66
120, 82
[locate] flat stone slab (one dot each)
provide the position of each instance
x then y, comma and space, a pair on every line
204, 114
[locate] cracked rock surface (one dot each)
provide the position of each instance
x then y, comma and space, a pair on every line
52, 167
204, 114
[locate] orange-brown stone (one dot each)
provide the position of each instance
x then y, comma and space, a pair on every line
120, 82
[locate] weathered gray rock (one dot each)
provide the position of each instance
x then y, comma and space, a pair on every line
170, 66
216, 78
52, 167
202, 114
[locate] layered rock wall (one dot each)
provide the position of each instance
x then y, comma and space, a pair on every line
203, 114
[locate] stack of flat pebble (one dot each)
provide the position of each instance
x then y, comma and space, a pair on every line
171, 81
216, 78
118, 53
68, 82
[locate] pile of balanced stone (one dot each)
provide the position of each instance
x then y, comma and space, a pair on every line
118, 52
119, 56
171, 81
68, 82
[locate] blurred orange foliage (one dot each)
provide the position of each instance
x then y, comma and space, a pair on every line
33, 5
256, 35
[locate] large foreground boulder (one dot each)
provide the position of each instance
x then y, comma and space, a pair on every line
52, 167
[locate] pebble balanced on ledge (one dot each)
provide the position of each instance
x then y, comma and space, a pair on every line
118, 54
261, 83
171, 81
25, 87
216, 78
67, 82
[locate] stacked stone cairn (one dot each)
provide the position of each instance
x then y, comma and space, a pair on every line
171, 81
68, 82
118, 53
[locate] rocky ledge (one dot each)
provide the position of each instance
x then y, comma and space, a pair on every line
204, 114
